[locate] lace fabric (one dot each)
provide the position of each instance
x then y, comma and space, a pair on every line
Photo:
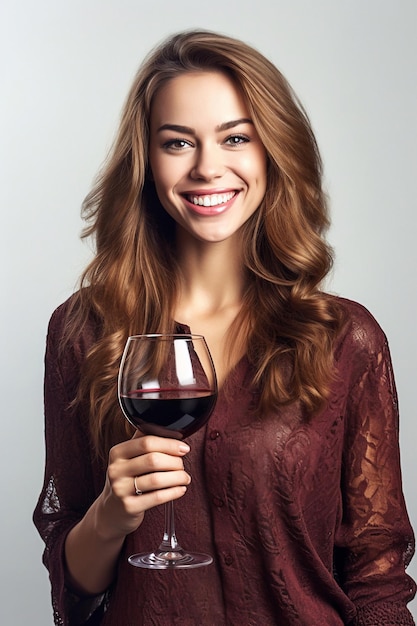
383, 614
305, 519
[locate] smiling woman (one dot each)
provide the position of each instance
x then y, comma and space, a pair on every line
209, 217
206, 157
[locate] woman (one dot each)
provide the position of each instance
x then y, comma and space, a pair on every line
209, 215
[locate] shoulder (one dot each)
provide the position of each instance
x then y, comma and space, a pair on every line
58, 319
72, 327
361, 334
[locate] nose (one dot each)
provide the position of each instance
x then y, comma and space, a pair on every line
208, 163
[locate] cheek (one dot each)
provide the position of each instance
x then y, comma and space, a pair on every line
262, 164
161, 178
165, 174
164, 186
254, 168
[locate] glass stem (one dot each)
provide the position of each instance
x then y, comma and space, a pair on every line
169, 542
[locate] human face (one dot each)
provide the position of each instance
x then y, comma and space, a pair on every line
207, 160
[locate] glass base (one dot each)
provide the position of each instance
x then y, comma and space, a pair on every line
170, 560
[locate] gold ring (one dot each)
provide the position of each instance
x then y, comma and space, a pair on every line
138, 492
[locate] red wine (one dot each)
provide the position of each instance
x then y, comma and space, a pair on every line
168, 412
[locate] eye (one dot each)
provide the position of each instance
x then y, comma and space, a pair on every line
236, 140
176, 144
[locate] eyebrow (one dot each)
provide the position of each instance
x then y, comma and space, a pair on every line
191, 131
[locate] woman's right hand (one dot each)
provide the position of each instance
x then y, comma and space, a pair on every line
92, 546
157, 464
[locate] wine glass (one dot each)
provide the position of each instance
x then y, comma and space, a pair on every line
167, 387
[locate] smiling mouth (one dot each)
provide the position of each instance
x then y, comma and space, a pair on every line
211, 200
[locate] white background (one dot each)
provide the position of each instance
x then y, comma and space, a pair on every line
66, 66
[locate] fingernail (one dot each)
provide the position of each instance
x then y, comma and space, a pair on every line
183, 447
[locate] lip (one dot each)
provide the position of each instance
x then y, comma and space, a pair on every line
209, 210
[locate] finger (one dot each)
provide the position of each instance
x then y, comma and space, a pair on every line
151, 443
148, 500
161, 480
154, 462
121, 471
144, 444
151, 472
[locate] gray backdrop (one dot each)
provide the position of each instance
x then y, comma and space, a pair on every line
65, 70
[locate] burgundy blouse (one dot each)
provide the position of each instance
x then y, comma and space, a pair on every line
305, 519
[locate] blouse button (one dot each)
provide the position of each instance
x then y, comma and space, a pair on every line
214, 434
218, 502
228, 559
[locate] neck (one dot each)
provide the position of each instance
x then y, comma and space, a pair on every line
212, 274
210, 295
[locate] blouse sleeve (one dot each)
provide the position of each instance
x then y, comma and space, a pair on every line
68, 488
375, 541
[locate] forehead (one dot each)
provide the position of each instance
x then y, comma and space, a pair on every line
209, 95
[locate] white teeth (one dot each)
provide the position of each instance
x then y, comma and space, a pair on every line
212, 200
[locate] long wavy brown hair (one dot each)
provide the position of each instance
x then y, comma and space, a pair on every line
286, 323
